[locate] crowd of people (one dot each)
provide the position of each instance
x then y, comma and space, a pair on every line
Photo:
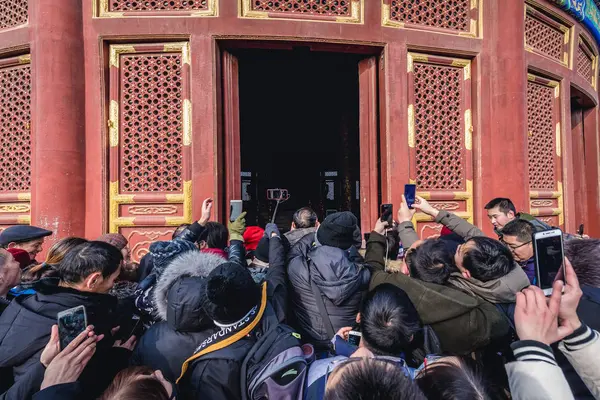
242, 312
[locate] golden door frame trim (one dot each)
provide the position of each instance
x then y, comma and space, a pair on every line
475, 25
357, 12
585, 44
16, 202
100, 9
116, 199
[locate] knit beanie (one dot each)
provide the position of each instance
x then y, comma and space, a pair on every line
165, 252
230, 293
262, 250
20, 256
253, 235
116, 239
339, 230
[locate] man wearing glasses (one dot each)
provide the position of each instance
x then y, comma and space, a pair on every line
517, 236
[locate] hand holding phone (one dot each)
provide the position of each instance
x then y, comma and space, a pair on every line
354, 338
71, 323
549, 258
387, 213
235, 209
410, 193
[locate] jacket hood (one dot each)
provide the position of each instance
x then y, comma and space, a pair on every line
294, 236
191, 263
337, 277
502, 290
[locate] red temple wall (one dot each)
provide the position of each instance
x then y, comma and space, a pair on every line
101, 159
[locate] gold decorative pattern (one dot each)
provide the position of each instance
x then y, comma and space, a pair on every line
468, 130
26, 59
113, 124
246, 10
152, 210
558, 145
101, 9
15, 208
115, 52
187, 122
179, 47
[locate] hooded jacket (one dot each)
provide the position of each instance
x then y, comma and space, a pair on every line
25, 330
340, 281
463, 323
501, 290
294, 236
183, 324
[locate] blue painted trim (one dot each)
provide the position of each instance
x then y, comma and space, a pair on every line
585, 11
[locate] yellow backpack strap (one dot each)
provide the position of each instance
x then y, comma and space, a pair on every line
234, 338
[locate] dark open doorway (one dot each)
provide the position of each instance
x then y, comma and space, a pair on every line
299, 130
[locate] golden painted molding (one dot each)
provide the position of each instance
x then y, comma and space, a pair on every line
24, 196
468, 130
100, 9
179, 47
357, 11
15, 207
116, 50
26, 59
411, 126
113, 123
24, 220
187, 122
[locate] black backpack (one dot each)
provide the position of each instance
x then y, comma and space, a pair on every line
275, 367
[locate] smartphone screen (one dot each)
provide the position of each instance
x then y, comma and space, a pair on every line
235, 209
410, 191
71, 323
549, 256
354, 338
387, 211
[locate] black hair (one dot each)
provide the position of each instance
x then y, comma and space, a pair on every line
88, 258
305, 218
431, 262
371, 378
584, 255
444, 380
388, 320
216, 235
504, 205
520, 228
179, 230
488, 259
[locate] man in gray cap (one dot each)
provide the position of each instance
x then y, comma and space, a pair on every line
25, 237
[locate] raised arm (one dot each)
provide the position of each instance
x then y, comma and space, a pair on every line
451, 221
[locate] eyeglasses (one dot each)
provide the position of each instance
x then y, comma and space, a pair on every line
512, 246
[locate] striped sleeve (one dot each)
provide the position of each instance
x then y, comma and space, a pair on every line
531, 350
579, 339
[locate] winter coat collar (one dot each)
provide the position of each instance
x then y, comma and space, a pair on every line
189, 264
502, 290
294, 236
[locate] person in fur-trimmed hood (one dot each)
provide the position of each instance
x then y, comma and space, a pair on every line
182, 323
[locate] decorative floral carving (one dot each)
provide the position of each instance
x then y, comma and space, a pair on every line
139, 245
152, 210
541, 203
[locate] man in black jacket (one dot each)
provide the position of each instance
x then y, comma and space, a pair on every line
326, 283
237, 306
10, 276
86, 275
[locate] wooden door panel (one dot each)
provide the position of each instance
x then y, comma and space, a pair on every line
440, 133
150, 186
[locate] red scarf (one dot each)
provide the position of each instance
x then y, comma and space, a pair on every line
218, 252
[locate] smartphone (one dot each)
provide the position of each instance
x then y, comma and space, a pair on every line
71, 323
549, 255
410, 192
387, 213
277, 194
235, 209
354, 338
580, 230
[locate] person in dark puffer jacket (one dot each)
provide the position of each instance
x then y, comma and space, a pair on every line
324, 259
178, 299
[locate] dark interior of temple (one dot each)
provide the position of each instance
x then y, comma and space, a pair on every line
299, 128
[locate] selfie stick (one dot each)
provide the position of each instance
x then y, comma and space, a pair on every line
280, 200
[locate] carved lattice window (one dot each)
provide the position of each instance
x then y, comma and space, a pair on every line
157, 5
13, 13
438, 133
544, 36
15, 138
585, 62
151, 122
315, 7
448, 14
541, 134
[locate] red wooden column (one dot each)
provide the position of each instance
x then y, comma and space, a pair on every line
57, 115
501, 145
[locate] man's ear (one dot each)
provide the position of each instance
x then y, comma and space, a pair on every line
202, 244
358, 318
293, 225
92, 281
317, 224
511, 214
466, 273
